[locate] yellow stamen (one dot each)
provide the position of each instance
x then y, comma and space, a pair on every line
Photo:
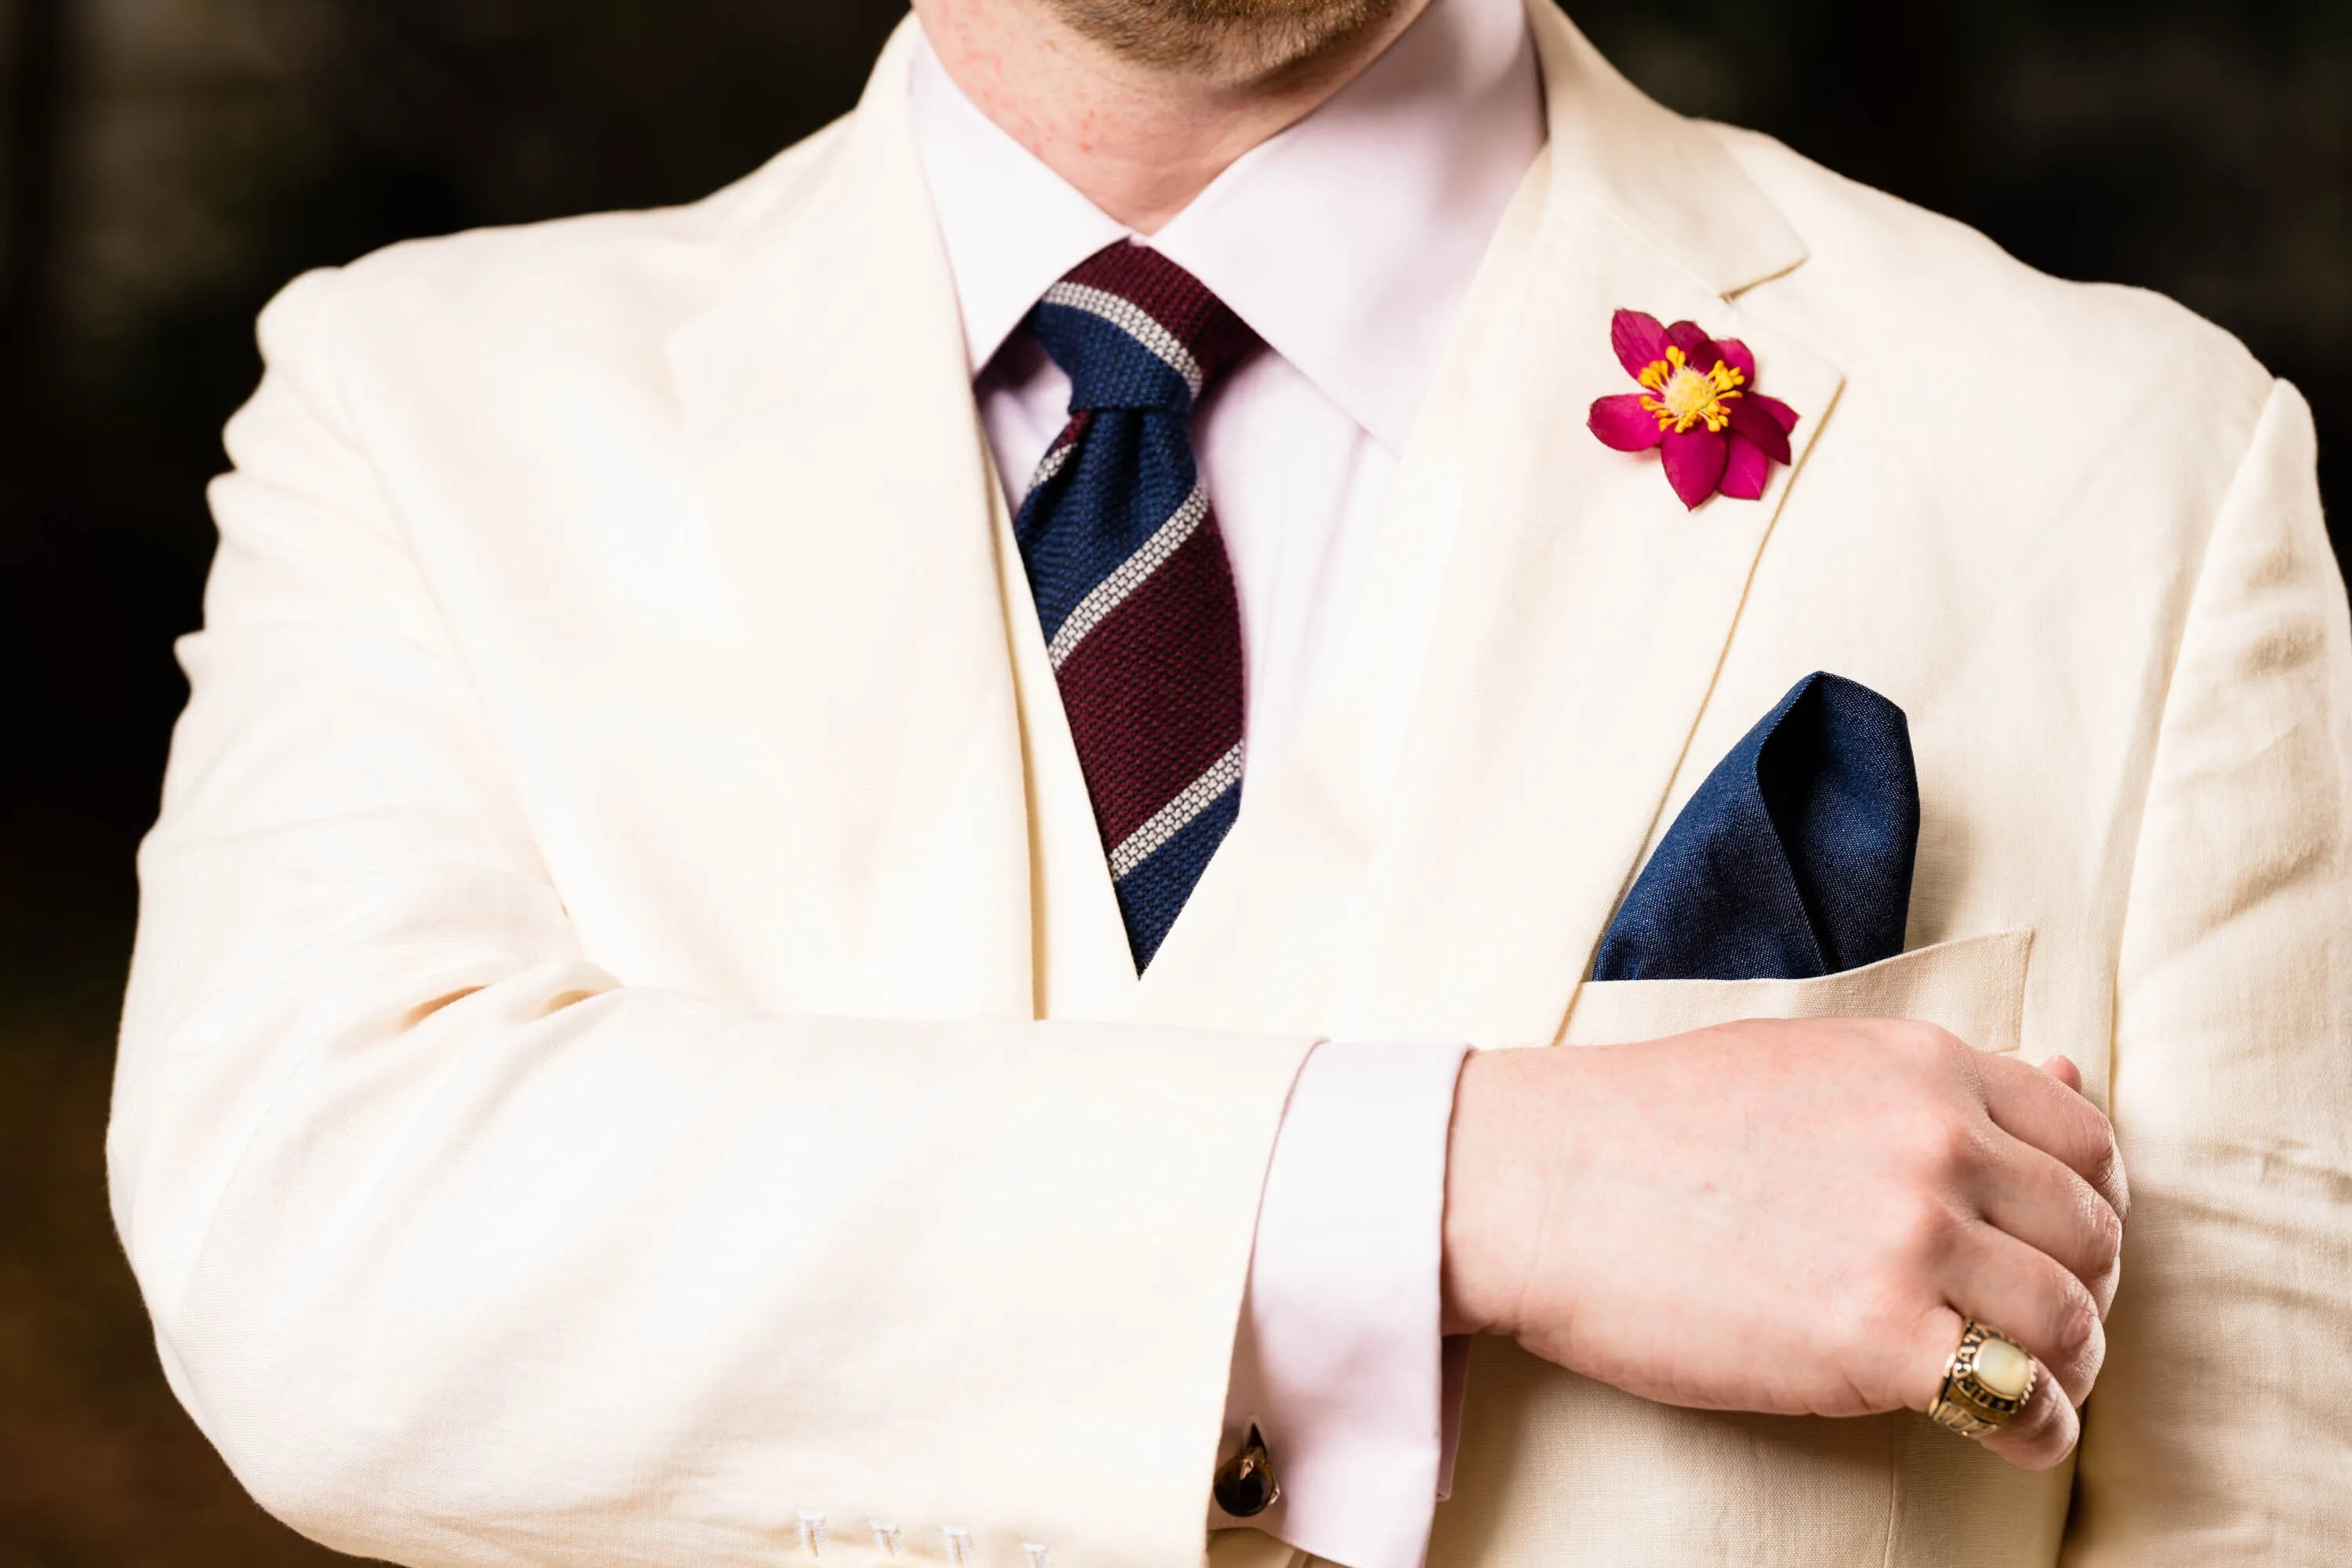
1688, 395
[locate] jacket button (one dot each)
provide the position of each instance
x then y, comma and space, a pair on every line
1245, 1486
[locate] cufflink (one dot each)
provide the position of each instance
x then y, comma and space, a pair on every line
1246, 1487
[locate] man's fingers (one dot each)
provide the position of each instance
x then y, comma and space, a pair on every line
2042, 1434
2036, 1106
2028, 1194
2063, 1070
2004, 1284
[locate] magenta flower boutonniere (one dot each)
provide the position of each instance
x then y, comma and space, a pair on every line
1700, 403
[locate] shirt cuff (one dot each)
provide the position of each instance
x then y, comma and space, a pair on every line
1337, 1359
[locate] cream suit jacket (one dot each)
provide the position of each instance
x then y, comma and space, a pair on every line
589, 1092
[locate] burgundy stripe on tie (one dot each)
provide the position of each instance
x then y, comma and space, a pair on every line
1132, 674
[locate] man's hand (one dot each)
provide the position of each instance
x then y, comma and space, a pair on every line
1792, 1217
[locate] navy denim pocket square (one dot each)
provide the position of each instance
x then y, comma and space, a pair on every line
1794, 858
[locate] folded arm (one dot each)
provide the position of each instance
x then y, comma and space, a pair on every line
2220, 1432
462, 1251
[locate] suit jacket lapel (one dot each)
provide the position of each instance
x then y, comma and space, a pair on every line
829, 418
1584, 615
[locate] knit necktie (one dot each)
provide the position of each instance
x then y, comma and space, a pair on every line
1129, 574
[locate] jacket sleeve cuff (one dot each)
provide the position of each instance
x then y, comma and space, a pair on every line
1338, 1361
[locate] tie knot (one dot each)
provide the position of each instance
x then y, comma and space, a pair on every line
1133, 330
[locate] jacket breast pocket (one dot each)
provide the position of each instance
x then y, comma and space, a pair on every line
1974, 987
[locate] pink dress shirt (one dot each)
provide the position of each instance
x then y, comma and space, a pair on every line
1350, 243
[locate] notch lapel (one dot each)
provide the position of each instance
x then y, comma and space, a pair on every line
1454, 882
829, 418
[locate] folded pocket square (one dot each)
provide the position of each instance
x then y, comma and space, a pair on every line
1794, 858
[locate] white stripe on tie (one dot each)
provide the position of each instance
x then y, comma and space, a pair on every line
1134, 320
1129, 575
1053, 463
1177, 814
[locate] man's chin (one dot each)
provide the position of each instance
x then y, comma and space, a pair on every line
1228, 40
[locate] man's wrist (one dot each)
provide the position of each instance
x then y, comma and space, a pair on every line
1506, 1117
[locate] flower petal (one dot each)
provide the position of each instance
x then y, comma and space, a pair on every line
1639, 340
1696, 346
1751, 419
1735, 354
1695, 461
1748, 470
1623, 424
1783, 415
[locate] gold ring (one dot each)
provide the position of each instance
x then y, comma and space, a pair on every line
1988, 1380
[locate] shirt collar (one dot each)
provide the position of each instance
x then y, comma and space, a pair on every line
1348, 242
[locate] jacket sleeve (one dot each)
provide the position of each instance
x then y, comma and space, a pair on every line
2221, 1430
463, 1251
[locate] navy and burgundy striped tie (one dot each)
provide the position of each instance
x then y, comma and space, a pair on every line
1129, 574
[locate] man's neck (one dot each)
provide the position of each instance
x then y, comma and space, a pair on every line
1138, 142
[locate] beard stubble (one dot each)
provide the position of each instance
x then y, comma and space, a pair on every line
1230, 41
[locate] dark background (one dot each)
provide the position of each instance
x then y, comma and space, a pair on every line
168, 163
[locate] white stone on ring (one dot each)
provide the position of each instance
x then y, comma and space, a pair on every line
2003, 1369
